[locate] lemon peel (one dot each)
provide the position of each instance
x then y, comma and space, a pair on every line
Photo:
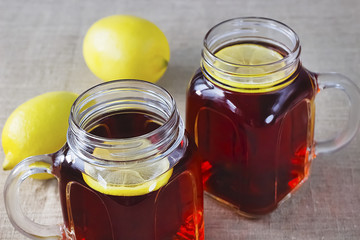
126, 47
37, 127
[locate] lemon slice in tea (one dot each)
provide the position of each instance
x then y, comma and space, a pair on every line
257, 65
249, 54
130, 181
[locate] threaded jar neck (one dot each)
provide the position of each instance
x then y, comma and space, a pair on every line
109, 98
246, 77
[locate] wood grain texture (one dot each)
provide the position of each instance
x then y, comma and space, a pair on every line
41, 51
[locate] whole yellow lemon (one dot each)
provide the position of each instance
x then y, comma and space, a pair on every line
36, 127
126, 47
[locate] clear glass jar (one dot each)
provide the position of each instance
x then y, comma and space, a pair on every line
127, 171
253, 123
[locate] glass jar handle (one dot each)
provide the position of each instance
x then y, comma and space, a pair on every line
341, 82
21, 222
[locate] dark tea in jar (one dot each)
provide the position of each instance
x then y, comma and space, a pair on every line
250, 108
128, 170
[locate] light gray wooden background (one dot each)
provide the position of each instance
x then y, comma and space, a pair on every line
41, 51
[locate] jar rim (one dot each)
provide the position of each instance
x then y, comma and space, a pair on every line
78, 136
293, 53
113, 82
260, 78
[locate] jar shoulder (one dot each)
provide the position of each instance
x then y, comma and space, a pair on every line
303, 85
204, 94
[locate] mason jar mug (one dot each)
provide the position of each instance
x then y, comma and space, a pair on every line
250, 108
128, 170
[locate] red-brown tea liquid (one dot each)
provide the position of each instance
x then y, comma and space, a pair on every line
175, 211
254, 146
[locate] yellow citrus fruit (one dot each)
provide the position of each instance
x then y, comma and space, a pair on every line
37, 127
126, 47
132, 181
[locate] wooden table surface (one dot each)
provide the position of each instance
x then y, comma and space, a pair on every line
41, 51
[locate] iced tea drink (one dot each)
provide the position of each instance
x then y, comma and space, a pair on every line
250, 108
128, 170
168, 207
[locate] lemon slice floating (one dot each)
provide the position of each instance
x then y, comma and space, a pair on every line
249, 54
36, 127
128, 182
256, 65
